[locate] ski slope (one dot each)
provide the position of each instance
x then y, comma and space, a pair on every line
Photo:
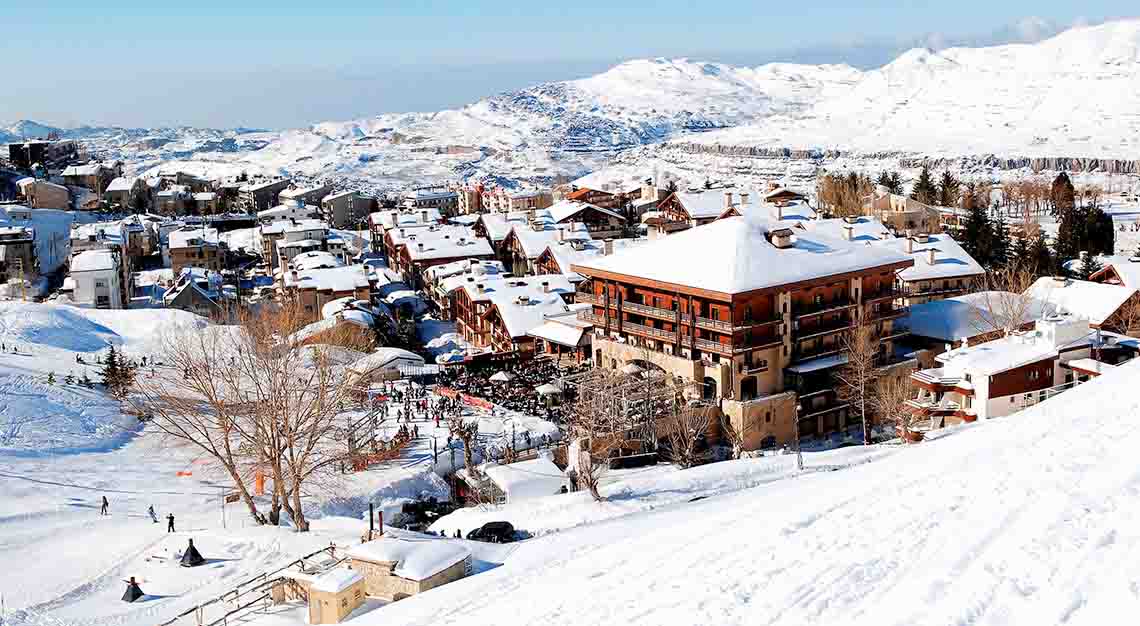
1025, 520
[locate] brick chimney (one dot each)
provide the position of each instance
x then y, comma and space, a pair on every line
909, 245
743, 200
930, 256
727, 200
545, 287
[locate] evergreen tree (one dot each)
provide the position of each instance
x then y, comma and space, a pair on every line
1041, 257
1000, 246
1019, 253
924, 189
671, 186
69, 379
1062, 193
1089, 266
51, 378
948, 189
111, 372
977, 235
85, 381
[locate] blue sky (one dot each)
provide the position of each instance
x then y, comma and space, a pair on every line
286, 63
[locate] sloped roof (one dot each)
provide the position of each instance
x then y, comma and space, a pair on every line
1095, 302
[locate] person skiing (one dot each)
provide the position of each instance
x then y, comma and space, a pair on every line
170, 523
103, 509
150, 511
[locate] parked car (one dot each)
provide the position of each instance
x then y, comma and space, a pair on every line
493, 532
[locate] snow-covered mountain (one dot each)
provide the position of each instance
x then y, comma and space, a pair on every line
1074, 95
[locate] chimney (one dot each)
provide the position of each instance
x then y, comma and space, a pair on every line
930, 256
608, 247
779, 212
420, 245
545, 287
561, 234
401, 232
848, 232
294, 275
481, 288
727, 200
424, 215
743, 199
909, 245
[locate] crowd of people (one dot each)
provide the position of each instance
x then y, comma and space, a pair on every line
518, 393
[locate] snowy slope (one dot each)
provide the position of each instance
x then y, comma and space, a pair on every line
1074, 95
1024, 520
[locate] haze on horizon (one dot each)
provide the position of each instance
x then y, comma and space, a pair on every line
293, 64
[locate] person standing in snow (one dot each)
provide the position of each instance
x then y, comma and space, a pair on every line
103, 509
150, 511
170, 523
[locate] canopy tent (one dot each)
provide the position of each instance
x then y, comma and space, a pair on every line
631, 369
502, 377
548, 390
134, 592
191, 557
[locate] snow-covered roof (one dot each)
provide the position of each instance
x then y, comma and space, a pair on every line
298, 192
533, 242
335, 279
405, 218
387, 358
526, 311
258, 186
1095, 302
702, 205
568, 253
499, 225
93, 260
443, 242
734, 255
293, 225
950, 259
497, 285
563, 334
1126, 267
337, 195
534, 478
430, 194
193, 236
415, 559
205, 196
465, 267
566, 209
122, 183
315, 259
998, 356
336, 580
965, 317
90, 169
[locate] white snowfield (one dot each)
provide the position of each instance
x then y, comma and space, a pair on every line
1026, 520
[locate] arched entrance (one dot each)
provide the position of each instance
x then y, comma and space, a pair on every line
708, 389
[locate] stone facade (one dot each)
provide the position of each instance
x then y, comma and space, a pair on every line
380, 582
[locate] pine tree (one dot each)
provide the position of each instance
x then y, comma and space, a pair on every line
1019, 255
1000, 246
977, 235
1089, 266
112, 371
1062, 193
51, 378
671, 187
1041, 257
948, 189
69, 379
924, 189
85, 381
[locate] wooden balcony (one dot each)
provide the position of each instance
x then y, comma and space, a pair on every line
821, 330
824, 307
671, 315
883, 294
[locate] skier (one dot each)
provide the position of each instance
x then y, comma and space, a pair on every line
170, 523
150, 511
103, 509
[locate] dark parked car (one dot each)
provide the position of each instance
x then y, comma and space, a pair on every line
493, 532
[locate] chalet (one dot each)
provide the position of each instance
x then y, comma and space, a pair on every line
291, 210
1118, 270
781, 195
97, 279
314, 287
748, 310
442, 281
380, 222
495, 227
599, 222
682, 210
563, 334
413, 250
517, 482
608, 197
198, 291
127, 193
520, 249
1005, 375
474, 300
1105, 306
500, 200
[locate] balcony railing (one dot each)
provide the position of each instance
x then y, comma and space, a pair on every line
805, 355
671, 315
883, 294
820, 330
886, 314
824, 307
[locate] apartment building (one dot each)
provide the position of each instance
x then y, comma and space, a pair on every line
750, 311
520, 249
40, 194
517, 303
94, 176
442, 200
599, 222
96, 279
309, 194
417, 249
196, 246
259, 196
344, 209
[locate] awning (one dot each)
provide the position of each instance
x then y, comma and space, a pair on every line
630, 368
502, 377
548, 390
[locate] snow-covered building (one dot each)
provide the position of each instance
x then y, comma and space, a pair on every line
969, 319
1118, 270
496, 226
259, 196
522, 303
560, 255
904, 214
96, 278
384, 362
563, 334
524, 480
417, 249
1005, 375
174, 200
315, 287
442, 281
196, 246
520, 249
501, 200
442, 200
344, 209
381, 223
41, 194
747, 309
94, 176
308, 195
126, 192
288, 211
599, 222
1104, 305
396, 567
198, 291
17, 253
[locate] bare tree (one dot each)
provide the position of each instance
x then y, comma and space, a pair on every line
467, 432
891, 394
257, 404
683, 430
1003, 303
856, 378
597, 428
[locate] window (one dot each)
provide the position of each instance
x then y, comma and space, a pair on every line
714, 313
768, 416
818, 299
100, 283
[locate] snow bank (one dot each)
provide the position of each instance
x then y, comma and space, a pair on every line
415, 559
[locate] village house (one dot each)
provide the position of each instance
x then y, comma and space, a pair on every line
442, 281
96, 279
520, 249
682, 210
174, 200
939, 325
17, 254
903, 214
495, 227
310, 194
196, 246
418, 249
1003, 376
1105, 306
442, 200
514, 482
560, 255
305, 235
600, 223
611, 196
52, 155
563, 335
127, 193
942, 268
314, 287
205, 202
94, 176
380, 222
501, 200
523, 300
344, 209
198, 291
40, 194
259, 196
95, 236
291, 210
748, 312
396, 567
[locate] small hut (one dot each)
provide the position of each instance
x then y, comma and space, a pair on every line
334, 594
397, 567
134, 592
191, 557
